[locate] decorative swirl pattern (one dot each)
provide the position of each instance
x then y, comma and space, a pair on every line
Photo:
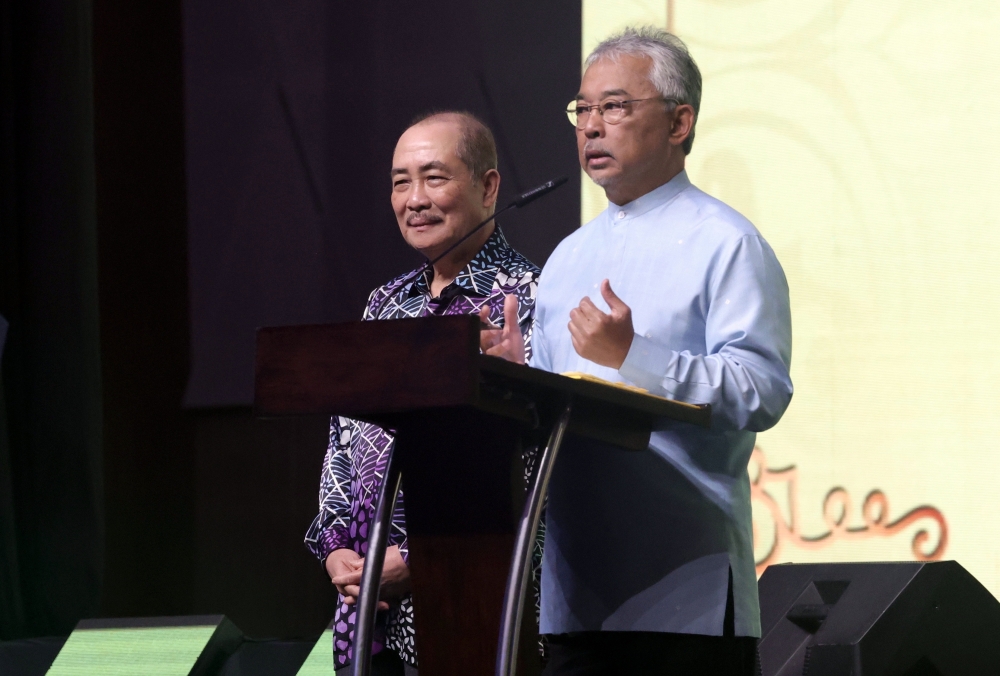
837, 513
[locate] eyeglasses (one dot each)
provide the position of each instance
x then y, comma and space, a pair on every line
612, 111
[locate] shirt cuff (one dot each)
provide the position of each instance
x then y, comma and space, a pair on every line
646, 364
331, 540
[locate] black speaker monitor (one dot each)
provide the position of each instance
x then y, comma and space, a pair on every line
877, 619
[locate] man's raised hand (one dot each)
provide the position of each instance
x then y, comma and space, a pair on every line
602, 338
506, 342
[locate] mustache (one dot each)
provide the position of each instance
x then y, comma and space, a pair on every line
422, 218
591, 148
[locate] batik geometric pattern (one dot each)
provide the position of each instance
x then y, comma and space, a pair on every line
357, 452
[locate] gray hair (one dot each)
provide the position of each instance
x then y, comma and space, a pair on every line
674, 73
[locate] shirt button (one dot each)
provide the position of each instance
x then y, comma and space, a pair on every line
621, 215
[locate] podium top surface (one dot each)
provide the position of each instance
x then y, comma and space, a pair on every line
541, 381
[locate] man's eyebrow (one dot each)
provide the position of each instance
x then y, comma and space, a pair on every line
441, 166
434, 165
605, 94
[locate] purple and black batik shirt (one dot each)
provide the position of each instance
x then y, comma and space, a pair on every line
357, 452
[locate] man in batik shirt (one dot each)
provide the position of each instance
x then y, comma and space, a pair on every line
444, 182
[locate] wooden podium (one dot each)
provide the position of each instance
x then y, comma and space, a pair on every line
459, 419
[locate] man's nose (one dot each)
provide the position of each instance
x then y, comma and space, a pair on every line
418, 198
594, 128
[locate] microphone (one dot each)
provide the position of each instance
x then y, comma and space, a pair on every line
521, 200
535, 193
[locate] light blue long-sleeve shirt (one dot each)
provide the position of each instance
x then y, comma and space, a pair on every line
645, 541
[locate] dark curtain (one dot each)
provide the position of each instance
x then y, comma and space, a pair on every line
51, 540
293, 110
11, 607
114, 500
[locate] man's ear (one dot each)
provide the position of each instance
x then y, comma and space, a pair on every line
683, 123
491, 187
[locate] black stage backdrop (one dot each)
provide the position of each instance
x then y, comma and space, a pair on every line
51, 516
174, 175
292, 113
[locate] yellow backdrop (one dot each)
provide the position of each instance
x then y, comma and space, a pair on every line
863, 140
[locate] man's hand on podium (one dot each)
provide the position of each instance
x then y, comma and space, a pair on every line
345, 567
506, 342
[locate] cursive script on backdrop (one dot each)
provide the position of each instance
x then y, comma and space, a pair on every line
837, 513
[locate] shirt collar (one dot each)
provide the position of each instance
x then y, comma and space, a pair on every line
653, 198
476, 278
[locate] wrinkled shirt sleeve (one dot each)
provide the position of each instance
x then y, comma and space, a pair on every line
744, 374
329, 530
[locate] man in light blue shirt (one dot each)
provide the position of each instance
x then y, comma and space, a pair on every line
648, 564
